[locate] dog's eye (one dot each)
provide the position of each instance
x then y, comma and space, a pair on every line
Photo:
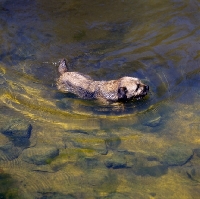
138, 86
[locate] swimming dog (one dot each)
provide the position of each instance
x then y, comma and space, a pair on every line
122, 90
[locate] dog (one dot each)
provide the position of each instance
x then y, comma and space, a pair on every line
120, 90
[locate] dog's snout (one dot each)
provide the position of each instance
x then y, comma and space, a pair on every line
146, 88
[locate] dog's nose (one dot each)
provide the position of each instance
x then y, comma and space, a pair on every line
146, 88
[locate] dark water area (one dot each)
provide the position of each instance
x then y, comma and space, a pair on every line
55, 145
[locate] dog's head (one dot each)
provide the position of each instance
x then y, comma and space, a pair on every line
130, 88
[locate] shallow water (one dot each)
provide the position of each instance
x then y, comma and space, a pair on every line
54, 145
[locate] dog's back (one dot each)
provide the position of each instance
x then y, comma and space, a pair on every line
76, 83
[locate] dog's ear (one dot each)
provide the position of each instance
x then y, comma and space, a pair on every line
122, 93
62, 66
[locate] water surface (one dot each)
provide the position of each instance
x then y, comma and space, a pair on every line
65, 147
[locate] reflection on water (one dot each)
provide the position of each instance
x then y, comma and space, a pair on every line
54, 145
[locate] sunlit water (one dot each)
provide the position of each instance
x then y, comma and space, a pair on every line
84, 149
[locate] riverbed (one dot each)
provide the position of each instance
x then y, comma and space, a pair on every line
55, 145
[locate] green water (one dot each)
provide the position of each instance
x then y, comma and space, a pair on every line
54, 145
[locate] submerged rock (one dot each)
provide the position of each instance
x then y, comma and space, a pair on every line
19, 132
40, 155
144, 165
8, 188
18, 129
177, 155
155, 171
113, 142
54, 195
2, 80
154, 122
7, 150
108, 183
88, 162
84, 141
4, 142
117, 161
116, 196
197, 152
193, 173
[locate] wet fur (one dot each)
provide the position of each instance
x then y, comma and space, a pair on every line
123, 89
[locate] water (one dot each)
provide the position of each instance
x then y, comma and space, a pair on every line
83, 149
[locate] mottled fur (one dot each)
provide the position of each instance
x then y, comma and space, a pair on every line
123, 89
